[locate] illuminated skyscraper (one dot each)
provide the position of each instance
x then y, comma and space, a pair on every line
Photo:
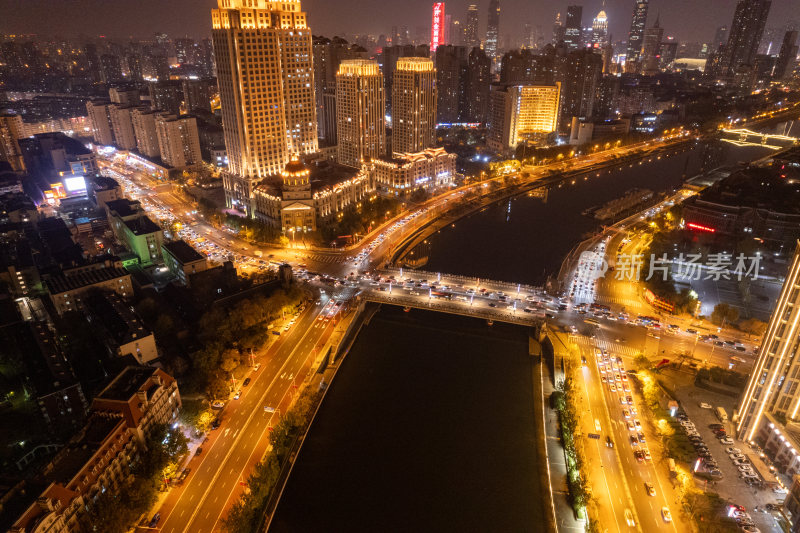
360, 106
521, 114
263, 54
651, 49
774, 383
787, 59
600, 30
636, 35
573, 29
413, 105
745, 35
493, 30
471, 38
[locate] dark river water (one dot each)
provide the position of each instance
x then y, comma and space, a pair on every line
429, 425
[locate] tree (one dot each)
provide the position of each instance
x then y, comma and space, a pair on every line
642, 362
753, 326
724, 313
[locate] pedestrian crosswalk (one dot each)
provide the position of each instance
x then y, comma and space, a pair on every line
327, 258
613, 347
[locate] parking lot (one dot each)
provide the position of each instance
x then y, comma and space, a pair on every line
731, 486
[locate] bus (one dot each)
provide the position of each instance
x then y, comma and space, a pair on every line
722, 416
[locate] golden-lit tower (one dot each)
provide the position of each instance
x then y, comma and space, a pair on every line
360, 111
265, 77
774, 385
413, 105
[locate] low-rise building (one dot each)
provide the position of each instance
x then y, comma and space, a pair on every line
134, 229
120, 329
99, 458
583, 132
105, 190
430, 169
183, 260
66, 290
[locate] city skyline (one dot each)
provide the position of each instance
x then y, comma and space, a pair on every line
683, 19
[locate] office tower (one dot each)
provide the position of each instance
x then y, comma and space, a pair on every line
144, 129
456, 33
558, 30
773, 385
166, 96
438, 26
451, 72
651, 49
581, 74
121, 126
599, 30
97, 111
636, 36
720, 38
178, 140
10, 132
413, 105
110, 69
479, 77
360, 108
265, 79
492, 30
521, 114
328, 55
523, 66
197, 95
745, 35
669, 51
388, 61
787, 58
572, 28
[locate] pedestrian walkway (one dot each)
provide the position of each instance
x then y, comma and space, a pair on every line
612, 347
565, 516
326, 258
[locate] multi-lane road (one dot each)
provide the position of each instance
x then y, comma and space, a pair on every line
243, 437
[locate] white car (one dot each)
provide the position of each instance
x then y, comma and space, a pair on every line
666, 515
629, 518
704, 405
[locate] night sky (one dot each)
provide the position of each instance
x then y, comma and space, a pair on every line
690, 20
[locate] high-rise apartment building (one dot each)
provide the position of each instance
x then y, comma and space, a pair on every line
10, 132
479, 77
166, 96
122, 126
579, 79
110, 69
178, 140
360, 106
521, 114
197, 95
493, 30
573, 28
471, 38
102, 133
774, 381
451, 73
144, 128
263, 53
413, 105
388, 60
636, 35
328, 54
123, 96
787, 58
745, 35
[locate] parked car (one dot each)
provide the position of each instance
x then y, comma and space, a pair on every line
649, 488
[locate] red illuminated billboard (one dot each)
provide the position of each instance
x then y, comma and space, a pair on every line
437, 26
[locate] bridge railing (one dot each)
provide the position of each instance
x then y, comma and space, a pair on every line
467, 279
464, 310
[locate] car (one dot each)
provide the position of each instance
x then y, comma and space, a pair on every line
639, 455
666, 515
182, 477
649, 488
647, 456
246, 382
199, 450
609, 442
634, 440
740, 462
631, 427
732, 450
255, 368
637, 423
218, 404
237, 395
640, 436
716, 426
629, 518
745, 468
216, 423
704, 405
625, 413
155, 519
597, 425
737, 456
751, 529
726, 440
